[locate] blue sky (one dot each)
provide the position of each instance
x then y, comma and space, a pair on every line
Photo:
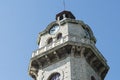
22, 20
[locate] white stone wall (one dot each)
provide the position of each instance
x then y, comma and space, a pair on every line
62, 67
81, 70
70, 68
76, 30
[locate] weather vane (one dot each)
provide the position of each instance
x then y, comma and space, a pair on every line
64, 4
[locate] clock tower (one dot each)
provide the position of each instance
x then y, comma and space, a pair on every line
67, 51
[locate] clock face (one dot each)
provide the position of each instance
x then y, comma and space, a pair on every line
54, 29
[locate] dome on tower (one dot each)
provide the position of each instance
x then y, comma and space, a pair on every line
64, 14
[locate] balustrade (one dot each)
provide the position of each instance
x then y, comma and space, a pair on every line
58, 42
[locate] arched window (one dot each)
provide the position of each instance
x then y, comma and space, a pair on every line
54, 76
61, 17
93, 78
87, 34
50, 40
66, 15
59, 36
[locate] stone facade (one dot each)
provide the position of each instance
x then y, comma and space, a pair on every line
73, 54
69, 70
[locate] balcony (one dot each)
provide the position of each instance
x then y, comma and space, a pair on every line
61, 41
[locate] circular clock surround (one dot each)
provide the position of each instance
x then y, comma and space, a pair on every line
54, 29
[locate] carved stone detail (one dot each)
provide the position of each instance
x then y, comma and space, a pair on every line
72, 50
48, 59
33, 72
56, 55
82, 51
92, 60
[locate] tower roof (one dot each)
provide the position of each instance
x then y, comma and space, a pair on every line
66, 14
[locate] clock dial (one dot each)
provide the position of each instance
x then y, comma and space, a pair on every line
54, 29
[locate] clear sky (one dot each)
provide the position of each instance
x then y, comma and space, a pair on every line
22, 20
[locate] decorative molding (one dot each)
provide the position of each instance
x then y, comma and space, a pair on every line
33, 72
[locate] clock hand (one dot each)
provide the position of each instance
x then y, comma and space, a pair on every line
52, 29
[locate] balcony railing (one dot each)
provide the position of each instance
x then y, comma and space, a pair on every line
58, 42
66, 39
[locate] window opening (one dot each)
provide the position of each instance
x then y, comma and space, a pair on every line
59, 36
50, 40
93, 78
61, 17
55, 76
